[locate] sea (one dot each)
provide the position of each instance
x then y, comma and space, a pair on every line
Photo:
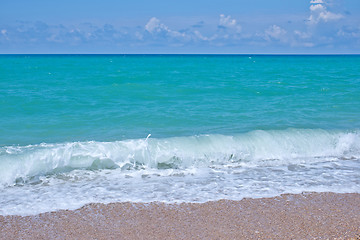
80, 129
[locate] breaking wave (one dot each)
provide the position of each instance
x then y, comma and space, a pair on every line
20, 164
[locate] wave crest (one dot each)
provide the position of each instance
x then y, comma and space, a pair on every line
24, 163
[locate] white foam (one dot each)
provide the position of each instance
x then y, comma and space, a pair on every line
46, 177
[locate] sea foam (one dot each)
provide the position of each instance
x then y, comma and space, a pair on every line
21, 164
48, 177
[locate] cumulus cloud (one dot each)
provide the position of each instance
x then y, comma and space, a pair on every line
221, 31
154, 26
302, 35
196, 36
319, 13
316, 1
161, 32
275, 32
228, 22
318, 33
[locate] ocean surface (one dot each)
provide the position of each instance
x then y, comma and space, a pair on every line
78, 129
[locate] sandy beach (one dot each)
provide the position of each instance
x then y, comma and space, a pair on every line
289, 216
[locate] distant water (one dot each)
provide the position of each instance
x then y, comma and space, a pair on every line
76, 129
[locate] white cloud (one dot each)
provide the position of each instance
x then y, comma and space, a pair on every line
154, 26
228, 22
319, 13
159, 30
302, 35
317, 7
198, 35
301, 39
4, 34
316, 1
275, 32
349, 32
329, 16
219, 31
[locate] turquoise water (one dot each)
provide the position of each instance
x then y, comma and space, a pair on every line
175, 128
107, 98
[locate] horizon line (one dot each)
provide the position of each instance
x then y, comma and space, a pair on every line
234, 54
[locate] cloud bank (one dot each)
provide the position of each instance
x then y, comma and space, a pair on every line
323, 27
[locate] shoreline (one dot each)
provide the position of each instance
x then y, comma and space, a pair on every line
289, 216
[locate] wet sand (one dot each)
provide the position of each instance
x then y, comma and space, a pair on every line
301, 216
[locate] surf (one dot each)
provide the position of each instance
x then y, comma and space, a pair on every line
20, 164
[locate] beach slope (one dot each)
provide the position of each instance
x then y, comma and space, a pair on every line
289, 216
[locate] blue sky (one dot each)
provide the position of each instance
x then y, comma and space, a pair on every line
186, 26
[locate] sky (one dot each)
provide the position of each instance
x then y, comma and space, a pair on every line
186, 26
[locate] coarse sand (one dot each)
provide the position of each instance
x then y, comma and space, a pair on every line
289, 216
